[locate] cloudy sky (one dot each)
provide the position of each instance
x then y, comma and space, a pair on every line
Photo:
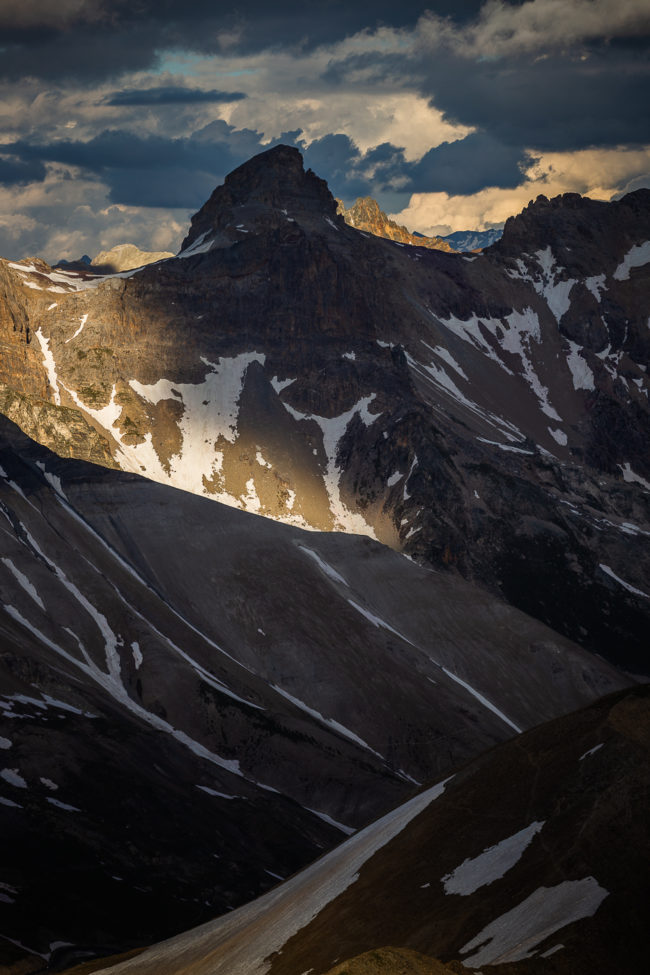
119, 117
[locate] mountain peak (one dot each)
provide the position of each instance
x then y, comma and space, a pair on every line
366, 215
274, 180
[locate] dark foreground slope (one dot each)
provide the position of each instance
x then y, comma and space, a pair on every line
195, 702
533, 857
487, 414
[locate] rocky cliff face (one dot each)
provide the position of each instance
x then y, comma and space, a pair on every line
365, 215
485, 414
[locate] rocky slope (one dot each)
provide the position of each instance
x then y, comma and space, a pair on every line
486, 414
533, 857
365, 215
195, 702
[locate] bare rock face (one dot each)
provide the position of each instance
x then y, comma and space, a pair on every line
485, 414
124, 257
366, 215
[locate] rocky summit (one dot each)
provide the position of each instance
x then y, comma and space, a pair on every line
485, 414
366, 215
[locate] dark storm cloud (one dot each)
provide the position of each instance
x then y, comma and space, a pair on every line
554, 104
468, 165
170, 95
124, 36
163, 172
149, 170
570, 101
86, 53
15, 172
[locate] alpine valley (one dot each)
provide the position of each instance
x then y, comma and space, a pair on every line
321, 542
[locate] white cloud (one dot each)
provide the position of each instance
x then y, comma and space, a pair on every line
503, 29
288, 90
67, 216
598, 173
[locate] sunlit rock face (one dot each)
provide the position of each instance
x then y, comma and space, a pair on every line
366, 215
487, 414
125, 257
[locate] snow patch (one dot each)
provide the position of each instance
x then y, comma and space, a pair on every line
483, 700
555, 290
592, 751
631, 477
137, 654
637, 256
49, 784
251, 501
596, 284
341, 729
637, 592
515, 935
503, 446
83, 320
51, 479
62, 805
10, 802
325, 566
50, 365
447, 357
559, 436
5, 743
491, 864
211, 411
583, 377
200, 246
405, 492
522, 328
24, 582
218, 795
393, 479
280, 384
348, 830
333, 430
377, 621
11, 776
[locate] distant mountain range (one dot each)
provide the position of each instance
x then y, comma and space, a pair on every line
472, 240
